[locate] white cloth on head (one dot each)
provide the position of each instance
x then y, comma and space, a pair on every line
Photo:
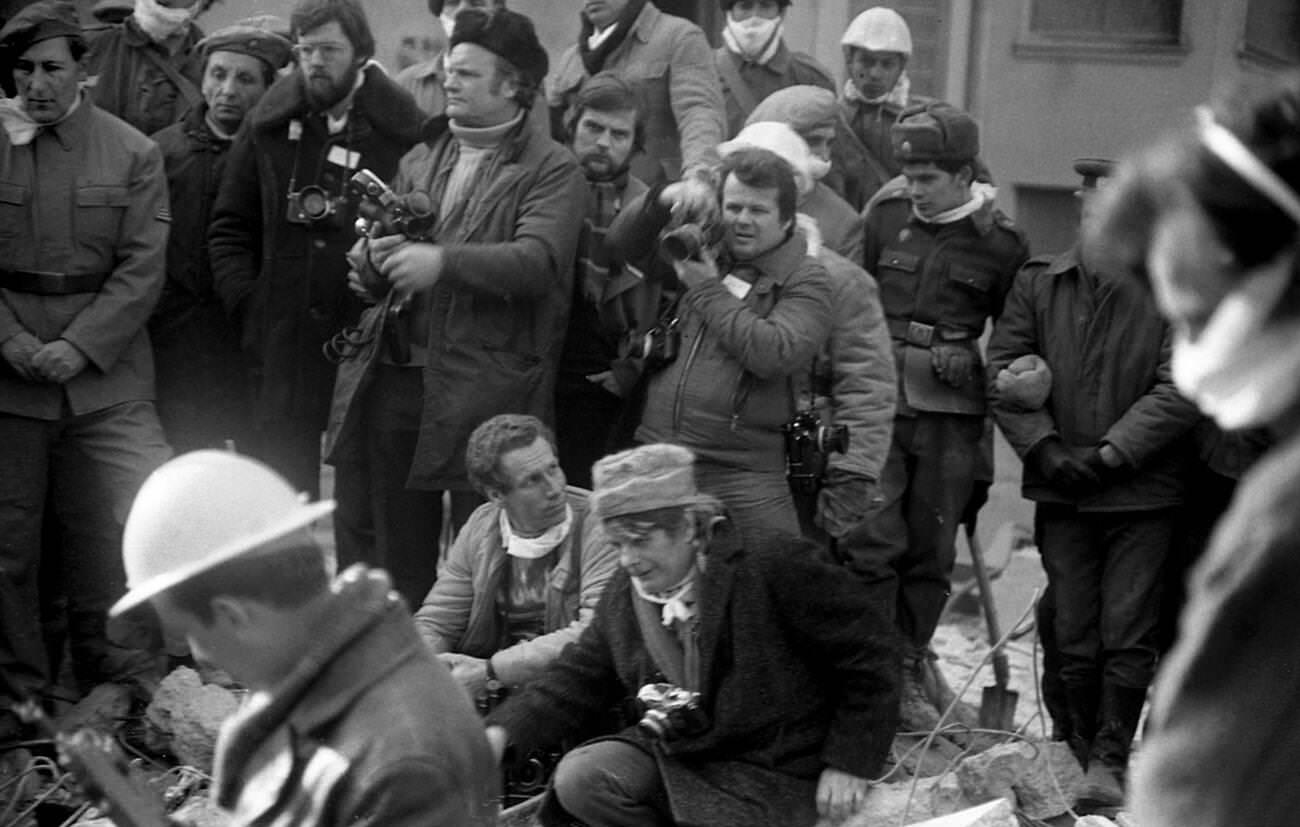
533, 548
1242, 368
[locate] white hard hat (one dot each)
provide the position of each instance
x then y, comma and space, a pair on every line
879, 29
202, 509
782, 140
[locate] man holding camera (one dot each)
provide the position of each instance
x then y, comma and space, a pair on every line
282, 224
755, 310
487, 297
768, 685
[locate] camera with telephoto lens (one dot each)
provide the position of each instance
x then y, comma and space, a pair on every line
383, 212
687, 240
808, 446
670, 712
310, 205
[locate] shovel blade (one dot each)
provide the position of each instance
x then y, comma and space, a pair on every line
998, 708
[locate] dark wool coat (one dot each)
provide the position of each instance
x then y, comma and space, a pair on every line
1109, 352
130, 83
202, 376
798, 673
286, 283
500, 308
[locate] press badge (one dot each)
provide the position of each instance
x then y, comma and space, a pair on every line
737, 287
340, 157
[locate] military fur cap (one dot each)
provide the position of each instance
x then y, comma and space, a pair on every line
935, 132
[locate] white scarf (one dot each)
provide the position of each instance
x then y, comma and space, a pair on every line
1242, 369
16, 121
161, 22
756, 39
533, 548
448, 23
20, 126
596, 38
678, 601
981, 195
898, 96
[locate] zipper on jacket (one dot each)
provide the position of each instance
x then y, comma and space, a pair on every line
686, 371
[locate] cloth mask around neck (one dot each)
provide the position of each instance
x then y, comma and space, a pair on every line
1243, 370
533, 548
678, 602
161, 22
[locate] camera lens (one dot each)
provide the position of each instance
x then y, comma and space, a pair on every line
315, 203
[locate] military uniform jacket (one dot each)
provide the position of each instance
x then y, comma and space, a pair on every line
939, 284
131, 83
99, 207
785, 69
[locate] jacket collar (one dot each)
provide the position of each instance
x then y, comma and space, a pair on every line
380, 103
780, 262
199, 131
71, 132
643, 28
1065, 262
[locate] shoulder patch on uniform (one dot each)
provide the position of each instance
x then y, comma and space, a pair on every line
164, 214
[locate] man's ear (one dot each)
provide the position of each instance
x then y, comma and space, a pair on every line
233, 613
497, 497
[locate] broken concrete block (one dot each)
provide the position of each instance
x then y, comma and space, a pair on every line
192, 712
1041, 777
997, 813
888, 804
102, 710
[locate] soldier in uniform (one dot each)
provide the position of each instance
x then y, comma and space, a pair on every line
83, 229
945, 258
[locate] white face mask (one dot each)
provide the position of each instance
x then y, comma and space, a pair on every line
161, 22
533, 548
1242, 369
753, 34
819, 168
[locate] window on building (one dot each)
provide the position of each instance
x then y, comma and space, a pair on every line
1273, 31
1130, 21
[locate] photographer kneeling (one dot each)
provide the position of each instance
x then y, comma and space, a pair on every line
754, 312
769, 684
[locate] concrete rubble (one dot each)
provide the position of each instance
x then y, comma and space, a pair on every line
189, 714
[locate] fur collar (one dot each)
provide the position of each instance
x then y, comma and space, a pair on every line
380, 102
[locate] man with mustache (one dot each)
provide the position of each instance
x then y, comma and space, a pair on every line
283, 223
147, 69
202, 379
613, 300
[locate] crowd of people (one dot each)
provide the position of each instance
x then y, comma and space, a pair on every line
657, 381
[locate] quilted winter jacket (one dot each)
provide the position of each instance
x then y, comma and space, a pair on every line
460, 613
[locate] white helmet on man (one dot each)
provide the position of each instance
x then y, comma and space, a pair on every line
202, 509
879, 29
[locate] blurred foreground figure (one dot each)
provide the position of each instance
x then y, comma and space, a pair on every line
351, 720
1210, 218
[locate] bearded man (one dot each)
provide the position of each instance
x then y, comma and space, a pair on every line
282, 224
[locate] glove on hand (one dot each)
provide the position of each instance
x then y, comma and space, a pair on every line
1067, 468
953, 364
844, 501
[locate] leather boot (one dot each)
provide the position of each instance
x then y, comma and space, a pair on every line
1121, 709
1081, 703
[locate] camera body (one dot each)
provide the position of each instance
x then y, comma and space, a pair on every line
383, 212
670, 712
310, 206
657, 347
808, 446
687, 240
